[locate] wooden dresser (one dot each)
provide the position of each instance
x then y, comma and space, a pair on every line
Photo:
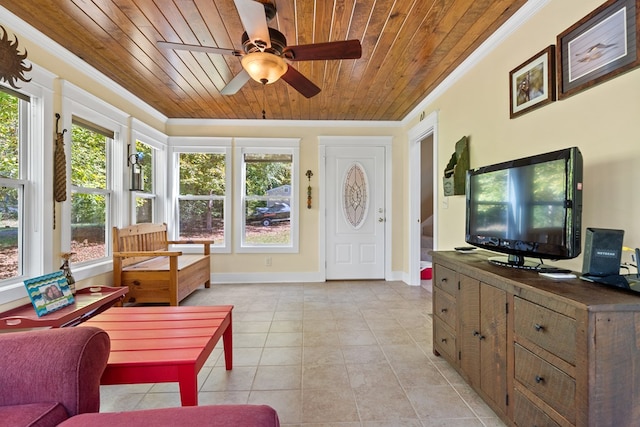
540, 352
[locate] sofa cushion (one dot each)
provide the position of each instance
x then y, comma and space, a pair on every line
208, 415
44, 414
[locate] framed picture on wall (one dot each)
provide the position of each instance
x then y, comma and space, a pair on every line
533, 84
599, 47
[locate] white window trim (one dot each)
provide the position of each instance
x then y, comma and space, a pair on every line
219, 145
38, 231
266, 145
79, 103
159, 142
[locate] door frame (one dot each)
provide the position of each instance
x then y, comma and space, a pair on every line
428, 126
353, 141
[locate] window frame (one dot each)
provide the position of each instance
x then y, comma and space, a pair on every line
86, 107
213, 145
38, 193
158, 142
266, 146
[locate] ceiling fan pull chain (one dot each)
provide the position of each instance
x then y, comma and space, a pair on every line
264, 98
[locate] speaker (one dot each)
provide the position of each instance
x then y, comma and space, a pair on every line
602, 252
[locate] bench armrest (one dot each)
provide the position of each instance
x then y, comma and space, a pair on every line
146, 254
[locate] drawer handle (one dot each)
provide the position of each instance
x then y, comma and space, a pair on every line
443, 340
539, 379
538, 328
444, 310
444, 280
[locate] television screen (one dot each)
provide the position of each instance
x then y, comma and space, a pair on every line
529, 207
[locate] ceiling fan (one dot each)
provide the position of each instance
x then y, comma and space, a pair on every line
265, 53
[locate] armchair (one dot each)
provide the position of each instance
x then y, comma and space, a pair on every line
52, 377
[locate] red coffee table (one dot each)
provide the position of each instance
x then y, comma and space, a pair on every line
164, 344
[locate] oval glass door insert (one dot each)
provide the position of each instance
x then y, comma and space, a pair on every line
355, 196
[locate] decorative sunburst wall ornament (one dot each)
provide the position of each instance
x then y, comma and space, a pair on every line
12, 66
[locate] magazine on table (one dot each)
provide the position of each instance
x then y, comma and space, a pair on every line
49, 293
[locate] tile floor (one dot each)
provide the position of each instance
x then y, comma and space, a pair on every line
354, 353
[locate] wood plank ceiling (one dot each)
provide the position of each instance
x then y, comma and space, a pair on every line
408, 47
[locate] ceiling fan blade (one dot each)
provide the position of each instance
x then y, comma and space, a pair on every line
198, 48
236, 83
254, 21
348, 49
300, 83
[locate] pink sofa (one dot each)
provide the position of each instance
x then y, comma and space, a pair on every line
52, 378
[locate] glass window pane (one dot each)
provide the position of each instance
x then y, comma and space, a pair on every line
9, 136
88, 158
88, 219
267, 224
144, 210
202, 174
268, 175
202, 219
146, 163
10, 231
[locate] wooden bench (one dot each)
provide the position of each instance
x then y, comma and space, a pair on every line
154, 274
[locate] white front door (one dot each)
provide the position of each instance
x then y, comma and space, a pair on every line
355, 221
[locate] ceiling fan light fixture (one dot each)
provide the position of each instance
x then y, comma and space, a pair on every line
263, 66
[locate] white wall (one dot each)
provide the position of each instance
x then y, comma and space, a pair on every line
601, 121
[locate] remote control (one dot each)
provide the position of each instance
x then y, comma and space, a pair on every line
465, 248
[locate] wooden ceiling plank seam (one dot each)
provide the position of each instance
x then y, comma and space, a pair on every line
489, 21
108, 59
192, 65
386, 35
392, 36
380, 14
444, 19
161, 67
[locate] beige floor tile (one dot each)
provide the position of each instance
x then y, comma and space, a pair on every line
329, 406
334, 354
278, 378
324, 377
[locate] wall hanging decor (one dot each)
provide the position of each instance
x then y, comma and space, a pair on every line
533, 83
309, 175
12, 66
598, 47
456, 171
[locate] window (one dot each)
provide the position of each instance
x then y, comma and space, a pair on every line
145, 198
202, 182
90, 190
268, 195
14, 125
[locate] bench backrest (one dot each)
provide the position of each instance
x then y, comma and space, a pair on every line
140, 237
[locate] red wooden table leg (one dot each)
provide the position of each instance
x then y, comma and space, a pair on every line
188, 381
227, 342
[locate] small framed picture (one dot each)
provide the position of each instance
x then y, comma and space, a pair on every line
597, 48
49, 293
533, 84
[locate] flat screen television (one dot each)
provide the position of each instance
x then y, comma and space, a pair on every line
528, 207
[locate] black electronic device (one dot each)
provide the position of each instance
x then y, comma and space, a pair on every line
528, 207
602, 252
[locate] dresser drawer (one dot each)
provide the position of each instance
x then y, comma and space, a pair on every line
444, 341
526, 414
446, 279
546, 381
546, 328
444, 306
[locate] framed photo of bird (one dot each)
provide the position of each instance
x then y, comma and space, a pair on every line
533, 84
598, 47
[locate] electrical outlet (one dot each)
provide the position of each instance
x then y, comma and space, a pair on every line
267, 261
